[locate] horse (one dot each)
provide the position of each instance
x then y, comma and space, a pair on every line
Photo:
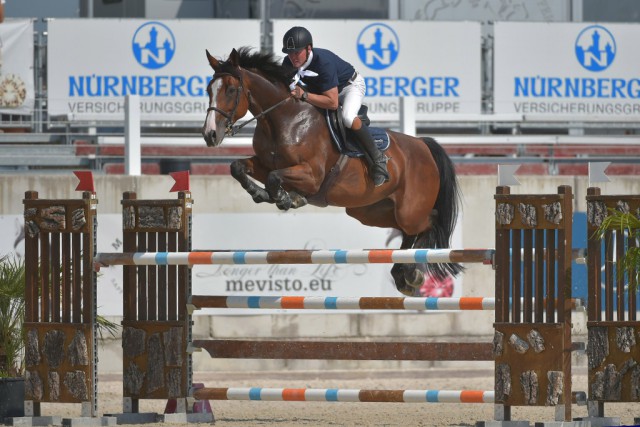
295, 160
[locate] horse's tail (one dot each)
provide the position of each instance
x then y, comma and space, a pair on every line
446, 211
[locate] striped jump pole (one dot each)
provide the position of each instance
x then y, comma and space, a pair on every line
344, 395
341, 303
372, 256
196, 302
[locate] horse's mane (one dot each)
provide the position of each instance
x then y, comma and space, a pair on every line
267, 64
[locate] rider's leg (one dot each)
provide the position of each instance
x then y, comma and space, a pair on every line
376, 159
351, 99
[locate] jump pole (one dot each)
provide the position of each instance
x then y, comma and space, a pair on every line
196, 302
373, 256
344, 395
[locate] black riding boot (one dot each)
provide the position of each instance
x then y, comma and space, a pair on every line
376, 160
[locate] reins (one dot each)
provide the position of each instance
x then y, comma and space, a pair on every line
231, 130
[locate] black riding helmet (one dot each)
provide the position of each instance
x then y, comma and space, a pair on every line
296, 39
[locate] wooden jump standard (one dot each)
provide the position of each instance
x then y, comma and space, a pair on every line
613, 347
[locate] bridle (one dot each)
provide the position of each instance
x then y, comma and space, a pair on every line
230, 129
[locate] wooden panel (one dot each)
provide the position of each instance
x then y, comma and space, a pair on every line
154, 360
339, 350
55, 374
520, 364
614, 375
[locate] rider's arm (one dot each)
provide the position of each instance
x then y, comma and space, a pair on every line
327, 99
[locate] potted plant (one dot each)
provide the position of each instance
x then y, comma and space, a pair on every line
624, 222
12, 312
12, 282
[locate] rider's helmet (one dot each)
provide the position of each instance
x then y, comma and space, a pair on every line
296, 39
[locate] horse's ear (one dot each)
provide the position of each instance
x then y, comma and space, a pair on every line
234, 58
212, 61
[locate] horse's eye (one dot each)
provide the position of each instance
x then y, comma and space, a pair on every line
231, 90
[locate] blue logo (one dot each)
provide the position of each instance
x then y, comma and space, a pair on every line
595, 48
153, 45
378, 46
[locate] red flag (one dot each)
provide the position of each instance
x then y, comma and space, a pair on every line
86, 181
182, 181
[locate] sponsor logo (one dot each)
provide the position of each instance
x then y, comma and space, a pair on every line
595, 48
378, 46
153, 45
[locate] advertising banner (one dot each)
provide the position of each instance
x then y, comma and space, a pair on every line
486, 10
438, 63
17, 93
94, 63
580, 70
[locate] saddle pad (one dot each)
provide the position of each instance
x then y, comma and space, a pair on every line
351, 147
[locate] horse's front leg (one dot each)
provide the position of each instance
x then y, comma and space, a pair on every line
242, 170
299, 179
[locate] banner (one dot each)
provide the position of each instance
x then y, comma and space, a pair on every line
581, 71
17, 92
438, 63
486, 10
94, 63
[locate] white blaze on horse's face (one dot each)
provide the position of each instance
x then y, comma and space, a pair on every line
214, 131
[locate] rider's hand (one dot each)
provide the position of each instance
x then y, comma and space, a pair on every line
299, 93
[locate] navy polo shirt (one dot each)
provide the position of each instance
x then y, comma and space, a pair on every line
332, 71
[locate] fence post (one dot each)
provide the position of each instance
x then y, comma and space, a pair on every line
408, 115
132, 160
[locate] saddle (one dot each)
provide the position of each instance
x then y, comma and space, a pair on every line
347, 146
343, 137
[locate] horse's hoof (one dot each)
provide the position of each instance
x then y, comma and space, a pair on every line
408, 291
284, 205
297, 200
259, 196
416, 280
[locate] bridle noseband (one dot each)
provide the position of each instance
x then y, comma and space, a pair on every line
230, 129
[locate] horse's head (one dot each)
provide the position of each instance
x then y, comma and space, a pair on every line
228, 100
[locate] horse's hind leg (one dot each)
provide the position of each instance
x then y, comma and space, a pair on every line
407, 277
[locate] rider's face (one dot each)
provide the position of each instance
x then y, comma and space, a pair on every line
298, 58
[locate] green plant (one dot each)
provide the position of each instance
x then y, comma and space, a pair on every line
12, 280
12, 305
624, 223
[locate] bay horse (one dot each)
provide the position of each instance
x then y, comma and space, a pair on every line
294, 158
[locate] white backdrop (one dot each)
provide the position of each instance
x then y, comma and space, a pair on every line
94, 63
538, 70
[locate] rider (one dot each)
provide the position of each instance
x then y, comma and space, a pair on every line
328, 81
